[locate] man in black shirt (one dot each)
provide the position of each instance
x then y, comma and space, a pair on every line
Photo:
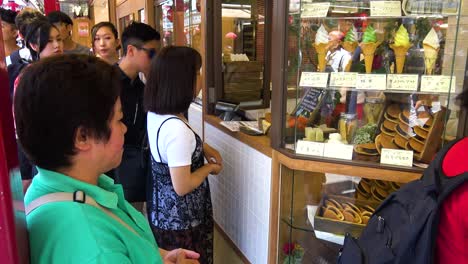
140, 44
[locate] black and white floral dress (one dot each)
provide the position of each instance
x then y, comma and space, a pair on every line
180, 221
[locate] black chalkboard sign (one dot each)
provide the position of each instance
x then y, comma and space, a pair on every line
309, 102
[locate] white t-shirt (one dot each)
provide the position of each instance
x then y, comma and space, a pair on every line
338, 58
176, 141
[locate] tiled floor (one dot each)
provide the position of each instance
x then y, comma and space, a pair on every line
223, 253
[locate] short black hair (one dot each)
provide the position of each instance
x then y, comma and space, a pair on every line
100, 25
138, 34
25, 17
59, 17
171, 84
8, 16
37, 33
58, 95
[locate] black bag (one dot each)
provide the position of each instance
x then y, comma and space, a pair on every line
134, 170
404, 227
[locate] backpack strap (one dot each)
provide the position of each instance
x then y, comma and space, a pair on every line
78, 197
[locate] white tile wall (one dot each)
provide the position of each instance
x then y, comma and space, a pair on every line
241, 194
195, 117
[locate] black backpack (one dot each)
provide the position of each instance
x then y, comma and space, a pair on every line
404, 227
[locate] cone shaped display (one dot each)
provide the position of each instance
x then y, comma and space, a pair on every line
368, 49
322, 50
400, 56
430, 57
350, 46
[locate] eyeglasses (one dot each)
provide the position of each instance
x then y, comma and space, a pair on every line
151, 52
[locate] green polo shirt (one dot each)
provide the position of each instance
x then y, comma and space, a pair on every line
71, 232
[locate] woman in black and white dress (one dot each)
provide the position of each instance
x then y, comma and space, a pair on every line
179, 202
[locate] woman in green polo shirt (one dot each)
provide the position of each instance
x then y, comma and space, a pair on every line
68, 120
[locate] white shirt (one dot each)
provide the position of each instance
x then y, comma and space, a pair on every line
176, 141
339, 57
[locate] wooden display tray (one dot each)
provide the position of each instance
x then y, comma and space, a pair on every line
434, 134
340, 227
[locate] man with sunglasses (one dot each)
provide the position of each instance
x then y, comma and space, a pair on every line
140, 44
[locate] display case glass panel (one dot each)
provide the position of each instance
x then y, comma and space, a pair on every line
372, 82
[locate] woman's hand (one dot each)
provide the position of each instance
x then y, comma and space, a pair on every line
180, 256
212, 155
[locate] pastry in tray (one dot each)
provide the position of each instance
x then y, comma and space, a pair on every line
392, 112
416, 145
368, 149
400, 141
386, 131
421, 132
404, 117
347, 211
389, 125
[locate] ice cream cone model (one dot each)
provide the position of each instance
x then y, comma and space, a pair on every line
400, 47
321, 46
350, 42
431, 49
368, 45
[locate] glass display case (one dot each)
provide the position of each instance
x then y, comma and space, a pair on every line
370, 83
365, 96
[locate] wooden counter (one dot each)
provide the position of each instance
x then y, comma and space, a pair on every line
259, 143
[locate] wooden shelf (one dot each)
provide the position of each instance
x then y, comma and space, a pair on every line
378, 172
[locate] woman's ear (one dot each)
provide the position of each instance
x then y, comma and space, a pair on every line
35, 47
119, 44
82, 139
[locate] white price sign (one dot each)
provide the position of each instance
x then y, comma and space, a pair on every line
309, 148
371, 82
315, 10
343, 79
385, 8
402, 82
314, 79
437, 84
397, 157
338, 151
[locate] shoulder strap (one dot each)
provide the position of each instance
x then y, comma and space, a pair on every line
78, 197
157, 135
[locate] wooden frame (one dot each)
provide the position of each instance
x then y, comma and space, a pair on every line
279, 159
214, 61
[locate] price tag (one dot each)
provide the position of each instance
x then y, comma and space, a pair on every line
343, 79
309, 148
338, 151
437, 84
315, 10
385, 8
402, 82
371, 82
397, 157
314, 79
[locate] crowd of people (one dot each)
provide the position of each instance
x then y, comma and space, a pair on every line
82, 115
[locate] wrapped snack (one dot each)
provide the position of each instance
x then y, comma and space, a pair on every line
321, 46
431, 50
400, 47
368, 45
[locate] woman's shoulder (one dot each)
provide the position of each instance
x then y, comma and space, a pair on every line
167, 124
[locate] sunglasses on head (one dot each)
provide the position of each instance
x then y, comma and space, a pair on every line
151, 52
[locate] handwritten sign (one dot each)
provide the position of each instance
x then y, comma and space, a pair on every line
371, 82
338, 151
437, 84
402, 82
315, 10
343, 79
309, 101
397, 157
314, 79
310, 148
385, 8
